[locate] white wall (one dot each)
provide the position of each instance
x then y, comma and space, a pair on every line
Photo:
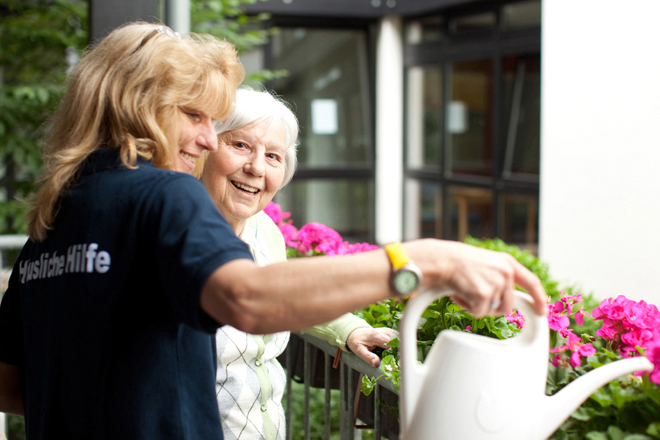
600, 145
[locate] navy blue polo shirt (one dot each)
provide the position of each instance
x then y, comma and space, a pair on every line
103, 318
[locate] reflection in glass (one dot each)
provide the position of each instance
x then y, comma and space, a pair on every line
424, 99
522, 14
520, 220
423, 213
341, 204
469, 118
425, 29
327, 87
469, 23
471, 213
522, 92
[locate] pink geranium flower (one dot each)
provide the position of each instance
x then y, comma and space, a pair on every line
318, 237
573, 344
557, 307
555, 360
515, 318
579, 316
653, 353
274, 211
636, 336
290, 234
558, 322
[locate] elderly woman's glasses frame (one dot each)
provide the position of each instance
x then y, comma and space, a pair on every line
160, 29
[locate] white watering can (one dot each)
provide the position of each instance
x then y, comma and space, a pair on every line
475, 387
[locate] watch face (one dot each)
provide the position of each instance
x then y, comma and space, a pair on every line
405, 281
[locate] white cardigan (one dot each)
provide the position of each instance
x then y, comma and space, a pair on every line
250, 381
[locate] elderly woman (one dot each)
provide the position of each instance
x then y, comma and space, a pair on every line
256, 157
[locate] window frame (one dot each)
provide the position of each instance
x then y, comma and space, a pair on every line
492, 44
340, 172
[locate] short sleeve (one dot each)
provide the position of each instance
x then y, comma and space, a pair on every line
192, 240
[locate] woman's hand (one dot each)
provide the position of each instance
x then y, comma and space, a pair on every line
483, 281
362, 340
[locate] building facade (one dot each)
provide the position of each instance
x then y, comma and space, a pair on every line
419, 118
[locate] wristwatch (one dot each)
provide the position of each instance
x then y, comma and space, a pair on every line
406, 276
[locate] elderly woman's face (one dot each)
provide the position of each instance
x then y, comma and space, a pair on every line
247, 170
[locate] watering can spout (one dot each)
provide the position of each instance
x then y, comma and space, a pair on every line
566, 401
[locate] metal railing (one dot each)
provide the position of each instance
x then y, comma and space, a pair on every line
7, 242
351, 368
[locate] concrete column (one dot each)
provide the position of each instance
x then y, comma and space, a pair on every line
178, 15
389, 130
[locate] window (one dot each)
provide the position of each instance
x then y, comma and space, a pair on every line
473, 124
328, 89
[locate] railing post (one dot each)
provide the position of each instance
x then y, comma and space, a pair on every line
376, 413
289, 378
347, 388
326, 407
350, 402
307, 378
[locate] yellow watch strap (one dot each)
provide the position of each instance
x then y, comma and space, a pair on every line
398, 255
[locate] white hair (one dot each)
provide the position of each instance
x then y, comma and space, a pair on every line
251, 108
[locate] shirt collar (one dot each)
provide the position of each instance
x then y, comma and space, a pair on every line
107, 159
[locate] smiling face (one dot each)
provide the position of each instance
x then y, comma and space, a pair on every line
246, 171
196, 134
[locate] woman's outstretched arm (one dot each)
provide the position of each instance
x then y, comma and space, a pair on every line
308, 291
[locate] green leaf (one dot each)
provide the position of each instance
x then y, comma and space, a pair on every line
654, 430
369, 318
615, 433
380, 308
43, 95
368, 385
594, 435
583, 414
430, 314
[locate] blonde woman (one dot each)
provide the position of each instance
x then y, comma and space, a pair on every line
107, 326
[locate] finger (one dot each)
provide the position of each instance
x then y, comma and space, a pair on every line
484, 296
458, 300
384, 337
530, 282
367, 356
507, 299
503, 301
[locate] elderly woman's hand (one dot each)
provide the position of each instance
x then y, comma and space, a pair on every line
362, 340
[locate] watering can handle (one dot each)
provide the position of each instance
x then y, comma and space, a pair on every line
413, 373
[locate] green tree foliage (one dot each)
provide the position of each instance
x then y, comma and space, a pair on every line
35, 38
38, 41
227, 19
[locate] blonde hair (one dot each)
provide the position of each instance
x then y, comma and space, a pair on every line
125, 93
